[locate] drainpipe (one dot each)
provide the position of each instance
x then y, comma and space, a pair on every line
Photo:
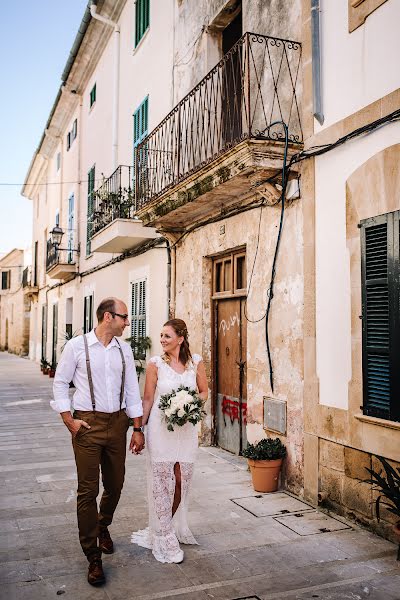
106, 21
316, 60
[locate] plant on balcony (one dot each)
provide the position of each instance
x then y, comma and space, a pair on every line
265, 461
387, 483
139, 347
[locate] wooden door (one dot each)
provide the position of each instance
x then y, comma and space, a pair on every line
231, 385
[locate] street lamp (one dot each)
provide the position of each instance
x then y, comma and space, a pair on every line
56, 235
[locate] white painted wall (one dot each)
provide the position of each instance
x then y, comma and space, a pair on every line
359, 67
333, 327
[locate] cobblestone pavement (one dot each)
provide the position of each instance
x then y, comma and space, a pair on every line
247, 547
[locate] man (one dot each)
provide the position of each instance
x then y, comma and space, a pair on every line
107, 394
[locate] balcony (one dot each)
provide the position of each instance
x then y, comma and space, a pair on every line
60, 263
224, 138
115, 227
29, 286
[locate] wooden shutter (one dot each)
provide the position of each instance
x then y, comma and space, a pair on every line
140, 130
44, 331
142, 19
90, 209
55, 336
88, 314
380, 314
138, 311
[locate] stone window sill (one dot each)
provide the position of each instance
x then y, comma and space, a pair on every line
380, 422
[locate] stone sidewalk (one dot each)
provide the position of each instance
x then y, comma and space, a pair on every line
250, 545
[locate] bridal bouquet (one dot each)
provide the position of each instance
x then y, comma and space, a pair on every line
181, 406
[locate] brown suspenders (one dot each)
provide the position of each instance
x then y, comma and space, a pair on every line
89, 374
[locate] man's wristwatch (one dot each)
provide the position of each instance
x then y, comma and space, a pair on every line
141, 429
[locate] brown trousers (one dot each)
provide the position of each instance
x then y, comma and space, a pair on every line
103, 445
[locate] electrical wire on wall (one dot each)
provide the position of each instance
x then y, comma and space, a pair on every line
270, 291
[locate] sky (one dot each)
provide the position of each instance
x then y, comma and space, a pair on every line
35, 40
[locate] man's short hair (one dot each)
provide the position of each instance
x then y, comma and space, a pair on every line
106, 305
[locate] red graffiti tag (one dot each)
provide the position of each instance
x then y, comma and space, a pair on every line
230, 408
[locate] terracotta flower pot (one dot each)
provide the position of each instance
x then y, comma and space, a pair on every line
265, 474
52, 372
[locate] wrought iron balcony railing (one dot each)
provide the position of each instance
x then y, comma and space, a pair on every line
114, 199
243, 97
57, 256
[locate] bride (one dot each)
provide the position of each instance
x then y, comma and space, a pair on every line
171, 454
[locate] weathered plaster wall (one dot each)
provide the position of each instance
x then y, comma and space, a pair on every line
198, 26
193, 303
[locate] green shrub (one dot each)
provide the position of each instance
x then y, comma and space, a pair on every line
267, 449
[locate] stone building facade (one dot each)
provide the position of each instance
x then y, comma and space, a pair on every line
349, 203
14, 304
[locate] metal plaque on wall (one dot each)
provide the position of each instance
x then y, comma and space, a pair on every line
275, 415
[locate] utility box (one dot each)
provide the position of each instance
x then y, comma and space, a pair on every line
275, 415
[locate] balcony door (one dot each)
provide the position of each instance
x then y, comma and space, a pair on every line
232, 83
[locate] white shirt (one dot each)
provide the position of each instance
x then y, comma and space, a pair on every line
106, 367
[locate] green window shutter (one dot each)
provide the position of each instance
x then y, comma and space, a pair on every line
92, 95
142, 19
90, 209
140, 131
140, 122
380, 315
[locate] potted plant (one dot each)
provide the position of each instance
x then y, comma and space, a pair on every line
44, 365
139, 347
265, 461
52, 369
387, 483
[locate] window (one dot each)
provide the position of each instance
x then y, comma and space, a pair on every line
70, 231
55, 337
90, 208
140, 128
142, 19
68, 141
229, 274
74, 131
138, 313
5, 280
44, 331
58, 161
380, 316
88, 314
92, 96
35, 265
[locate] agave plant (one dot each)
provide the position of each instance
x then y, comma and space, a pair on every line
387, 482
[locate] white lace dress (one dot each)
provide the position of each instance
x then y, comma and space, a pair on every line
165, 449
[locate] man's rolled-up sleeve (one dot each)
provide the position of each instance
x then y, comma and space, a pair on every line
64, 374
134, 406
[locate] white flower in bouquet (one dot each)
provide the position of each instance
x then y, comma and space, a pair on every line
181, 407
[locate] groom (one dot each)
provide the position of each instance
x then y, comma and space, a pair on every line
107, 394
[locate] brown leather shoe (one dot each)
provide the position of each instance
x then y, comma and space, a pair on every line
105, 542
95, 572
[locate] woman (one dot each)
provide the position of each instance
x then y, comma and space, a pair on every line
171, 454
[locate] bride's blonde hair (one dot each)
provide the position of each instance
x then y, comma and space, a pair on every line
179, 326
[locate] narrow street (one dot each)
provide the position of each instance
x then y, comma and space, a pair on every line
249, 546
